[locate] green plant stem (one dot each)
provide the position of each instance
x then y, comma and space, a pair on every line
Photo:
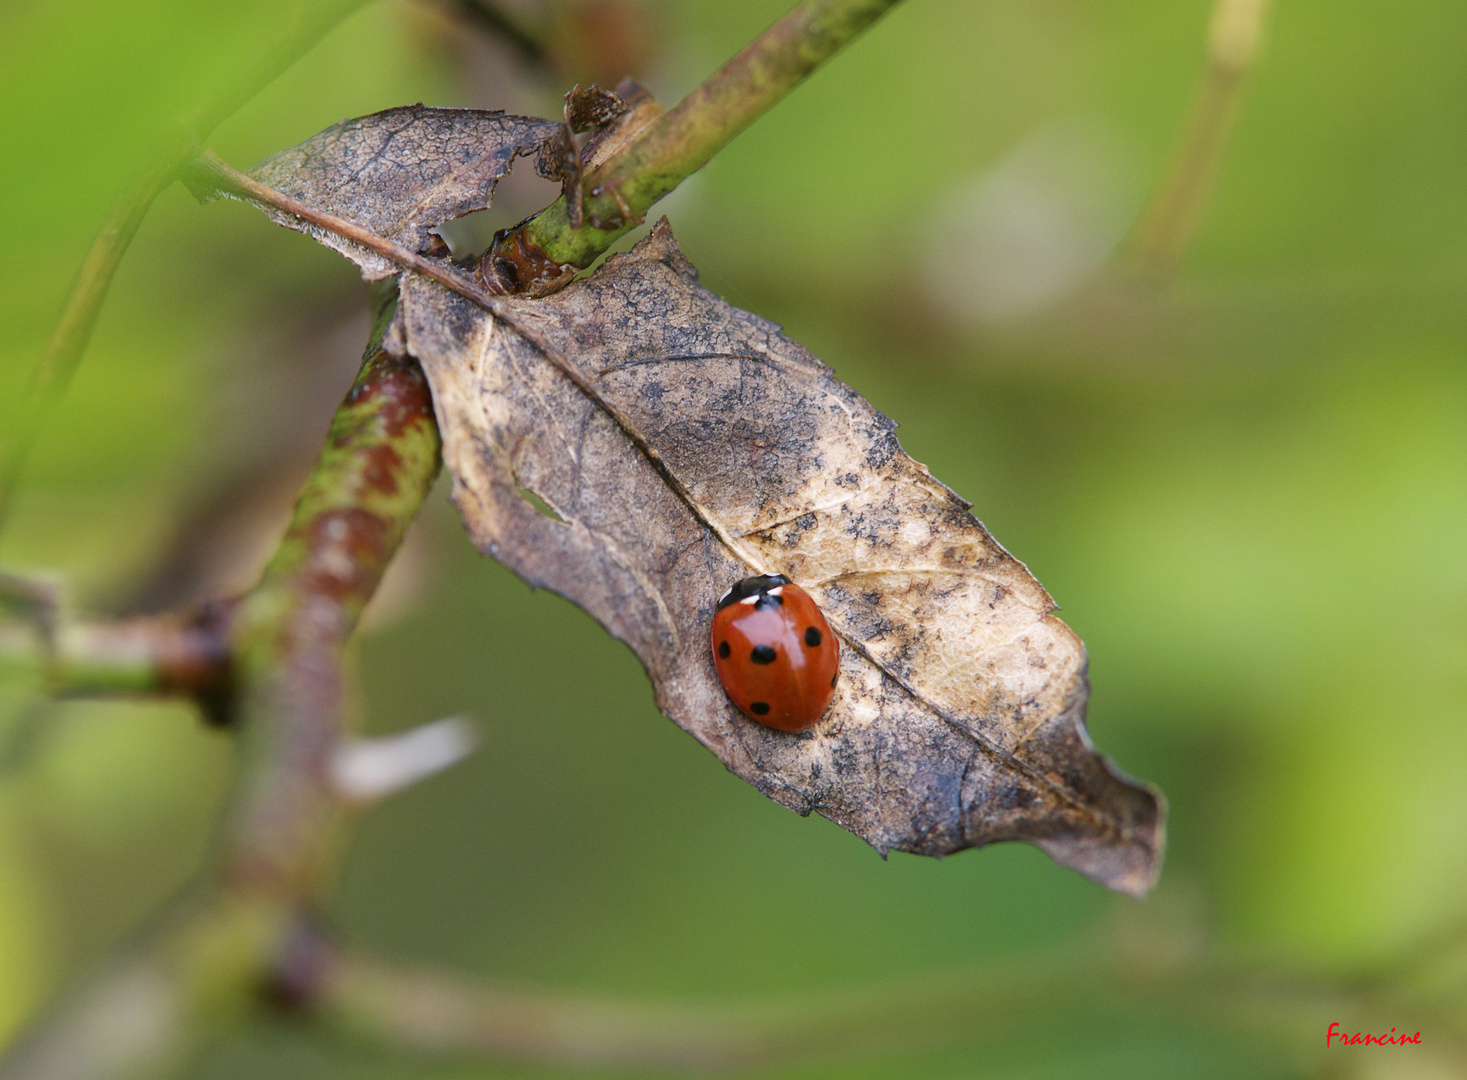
204, 966
544, 252
185, 656
83, 304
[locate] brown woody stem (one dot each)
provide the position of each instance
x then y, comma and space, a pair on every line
380, 459
489, 18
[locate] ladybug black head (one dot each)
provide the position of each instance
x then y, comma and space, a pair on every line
757, 586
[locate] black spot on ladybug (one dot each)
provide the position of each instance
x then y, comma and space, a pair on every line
834, 677
759, 708
812, 637
723, 650
763, 654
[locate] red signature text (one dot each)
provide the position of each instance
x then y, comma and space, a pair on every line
1362, 1039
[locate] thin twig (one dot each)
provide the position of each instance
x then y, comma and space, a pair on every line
36, 601
439, 1015
543, 253
83, 303
168, 655
220, 175
1170, 222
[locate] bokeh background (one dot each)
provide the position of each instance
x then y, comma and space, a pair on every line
1246, 486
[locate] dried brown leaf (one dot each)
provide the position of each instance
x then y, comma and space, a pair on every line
560, 159
399, 173
684, 444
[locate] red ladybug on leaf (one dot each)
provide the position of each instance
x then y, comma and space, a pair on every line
774, 652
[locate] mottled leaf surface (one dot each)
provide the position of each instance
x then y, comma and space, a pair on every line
704, 446
400, 172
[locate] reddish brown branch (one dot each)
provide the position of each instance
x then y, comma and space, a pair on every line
289, 634
381, 456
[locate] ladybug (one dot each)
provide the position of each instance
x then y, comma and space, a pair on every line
774, 652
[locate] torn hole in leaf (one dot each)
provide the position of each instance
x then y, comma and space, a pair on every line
399, 174
538, 503
519, 194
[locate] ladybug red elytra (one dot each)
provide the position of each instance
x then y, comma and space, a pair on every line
774, 652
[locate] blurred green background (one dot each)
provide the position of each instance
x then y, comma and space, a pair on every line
1248, 490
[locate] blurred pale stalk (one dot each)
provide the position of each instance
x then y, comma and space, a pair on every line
1170, 223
